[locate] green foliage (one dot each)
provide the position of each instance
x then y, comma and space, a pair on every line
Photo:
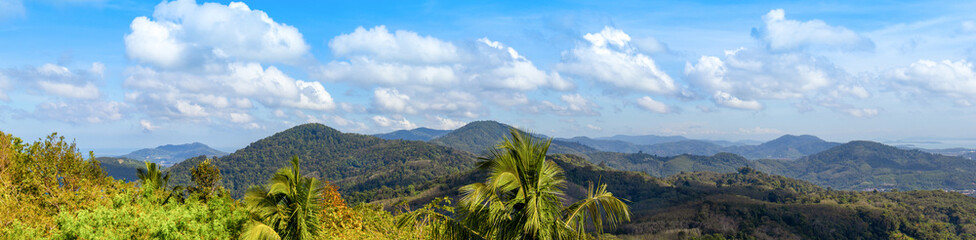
289, 205
139, 218
121, 168
353, 162
207, 177
480, 137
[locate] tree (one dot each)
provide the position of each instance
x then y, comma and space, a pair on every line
207, 177
521, 199
152, 178
288, 207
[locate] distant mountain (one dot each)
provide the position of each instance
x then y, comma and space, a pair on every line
862, 165
480, 136
667, 166
121, 168
604, 145
695, 147
172, 154
785, 147
644, 139
417, 134
354, 162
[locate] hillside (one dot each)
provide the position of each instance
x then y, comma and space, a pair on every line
644, 139
480, 136
172, 154
785, 147
747, 204
604, 145
667, 166
354, 162
121, 168
417, 134
863, 165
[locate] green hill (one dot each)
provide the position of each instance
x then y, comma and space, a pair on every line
354, 162
748, 204
863, 165
121, 168
480, 136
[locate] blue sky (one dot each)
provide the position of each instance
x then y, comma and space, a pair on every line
121, 75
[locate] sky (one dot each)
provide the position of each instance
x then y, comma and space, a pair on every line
122, 75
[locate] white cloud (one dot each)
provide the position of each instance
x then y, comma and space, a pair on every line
183, 33
397, 123
727, 100
401, 46
221, 91
391, 100
576, 104
968, 26
147, 125
652, 105
756, 74
57, 80
861, 112
781, 34
447, 123
591, 126
608, 57
11, 9
954, 79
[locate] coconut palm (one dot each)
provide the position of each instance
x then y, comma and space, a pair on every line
287, 208
521, 198
152, 178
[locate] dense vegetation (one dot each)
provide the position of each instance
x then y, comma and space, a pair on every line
480, 136
353, 162
120, 168
50, 190
785, 147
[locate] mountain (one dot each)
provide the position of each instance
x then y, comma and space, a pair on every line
785, 147
121, 168
480, 136
604, 145
667, 166
869, 165
354, 162
695, 147
644, 139
417, 134
172, 154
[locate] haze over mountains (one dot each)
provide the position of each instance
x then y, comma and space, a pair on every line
171, 154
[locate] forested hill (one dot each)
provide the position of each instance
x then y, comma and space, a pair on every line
171, 154
354, 162
480, 136
748, 204
784, 147
418, 134
862, 164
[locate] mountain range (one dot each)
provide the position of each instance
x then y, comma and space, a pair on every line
172, 154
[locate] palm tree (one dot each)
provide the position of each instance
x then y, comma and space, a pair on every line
152, 178
287, 208
521, 198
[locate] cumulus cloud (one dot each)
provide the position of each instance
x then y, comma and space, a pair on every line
183, 33
781, 34
396, 123
649, 104
954, 79
56, 80
447, 123
727, 100
221, 92
147, 125
409, 73
575, 104
745, 76
400, 46
609, 57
